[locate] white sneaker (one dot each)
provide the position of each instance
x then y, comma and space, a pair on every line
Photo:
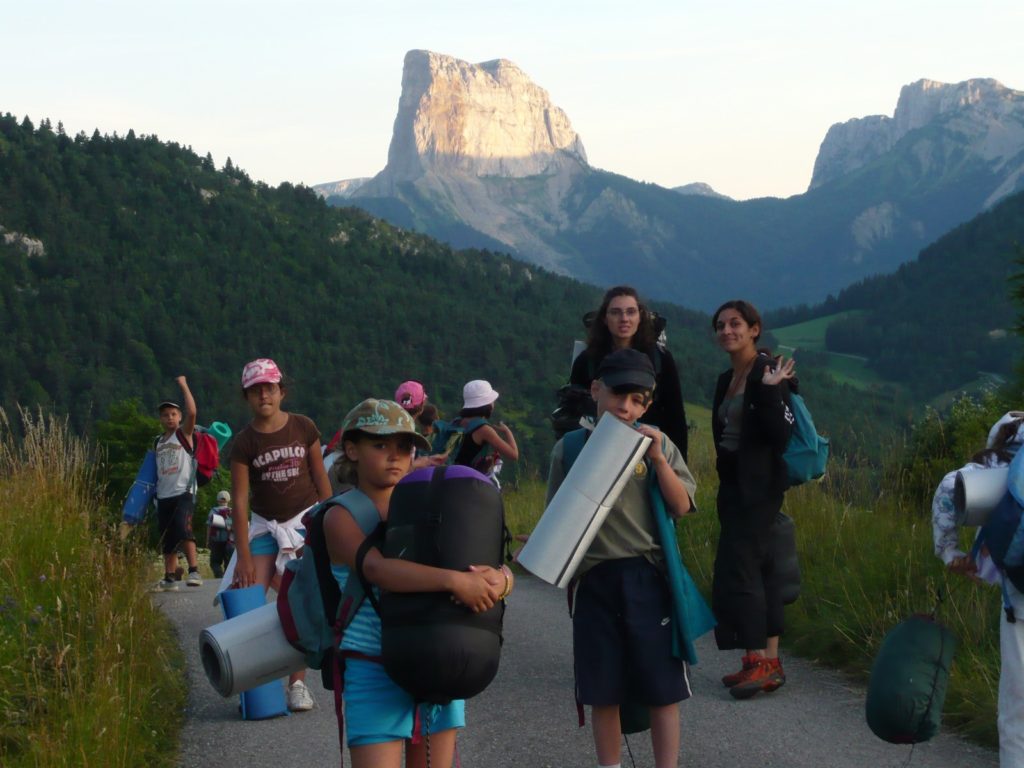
299, 697
194, 579
166, 585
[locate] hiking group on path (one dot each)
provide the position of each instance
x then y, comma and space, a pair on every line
632, 643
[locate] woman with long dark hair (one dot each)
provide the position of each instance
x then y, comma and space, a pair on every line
624, 322
751, 424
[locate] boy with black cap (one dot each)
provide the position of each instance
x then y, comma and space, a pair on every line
176, 486
622, 633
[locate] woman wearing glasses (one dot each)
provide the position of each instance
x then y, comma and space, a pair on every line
621, 322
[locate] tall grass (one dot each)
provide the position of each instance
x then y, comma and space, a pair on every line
866, 565
89, 675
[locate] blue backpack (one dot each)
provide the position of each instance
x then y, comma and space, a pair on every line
1003, 533
807, 452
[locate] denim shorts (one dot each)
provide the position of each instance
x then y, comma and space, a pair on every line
265, 544
377, 710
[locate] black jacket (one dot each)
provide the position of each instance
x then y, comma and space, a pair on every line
764, 433
667, 411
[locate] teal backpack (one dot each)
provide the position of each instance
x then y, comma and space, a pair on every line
807, 452
448, 437
313, 610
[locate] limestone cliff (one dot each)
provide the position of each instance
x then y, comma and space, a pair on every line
465, 134
979, 120
484, 119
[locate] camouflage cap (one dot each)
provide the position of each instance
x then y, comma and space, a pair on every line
383, 417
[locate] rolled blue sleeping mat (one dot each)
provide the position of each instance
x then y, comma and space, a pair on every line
267, 700
140, 495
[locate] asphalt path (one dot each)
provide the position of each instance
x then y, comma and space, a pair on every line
527, 717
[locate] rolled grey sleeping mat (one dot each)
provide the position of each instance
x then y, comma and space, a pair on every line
976, 493
583, 500
247, 651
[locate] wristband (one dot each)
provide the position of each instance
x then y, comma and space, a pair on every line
508, 582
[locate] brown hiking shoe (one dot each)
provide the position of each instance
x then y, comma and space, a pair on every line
766, 675
748, 661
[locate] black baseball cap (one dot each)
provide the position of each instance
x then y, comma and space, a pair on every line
627, 369
168, 404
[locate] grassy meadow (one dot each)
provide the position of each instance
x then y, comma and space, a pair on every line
89, 673
810, 337
864, 569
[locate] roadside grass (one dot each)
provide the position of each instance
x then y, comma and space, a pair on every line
863, 571
89, 672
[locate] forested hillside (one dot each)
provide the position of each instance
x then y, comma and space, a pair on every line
128, 261
941, 319
150, 263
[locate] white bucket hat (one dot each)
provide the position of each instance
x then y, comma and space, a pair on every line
223, 496
477, 394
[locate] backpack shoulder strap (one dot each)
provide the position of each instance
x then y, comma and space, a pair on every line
357, 588
189, 446
656, 357
359, 505
572, 444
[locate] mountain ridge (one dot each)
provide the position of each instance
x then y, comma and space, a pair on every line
604, 228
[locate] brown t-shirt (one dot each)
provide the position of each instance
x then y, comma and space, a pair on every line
280, 476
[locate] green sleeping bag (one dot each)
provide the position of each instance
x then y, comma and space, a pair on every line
908, 681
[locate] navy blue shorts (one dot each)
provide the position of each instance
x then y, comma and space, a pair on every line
622, 637
174, 521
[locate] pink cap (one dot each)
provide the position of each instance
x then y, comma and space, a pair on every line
261, 371
410, 395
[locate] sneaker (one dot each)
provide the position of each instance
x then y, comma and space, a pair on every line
194, 579
766, 675
299, 697
167, 585
748, 661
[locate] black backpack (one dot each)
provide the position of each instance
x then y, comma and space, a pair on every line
575, 402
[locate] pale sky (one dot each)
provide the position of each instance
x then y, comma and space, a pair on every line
735, 94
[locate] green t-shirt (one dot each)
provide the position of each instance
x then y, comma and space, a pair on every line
629, 530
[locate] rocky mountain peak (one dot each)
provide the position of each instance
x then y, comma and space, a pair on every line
486, 119
987, 118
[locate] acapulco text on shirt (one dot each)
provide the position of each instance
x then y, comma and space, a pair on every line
281, 463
